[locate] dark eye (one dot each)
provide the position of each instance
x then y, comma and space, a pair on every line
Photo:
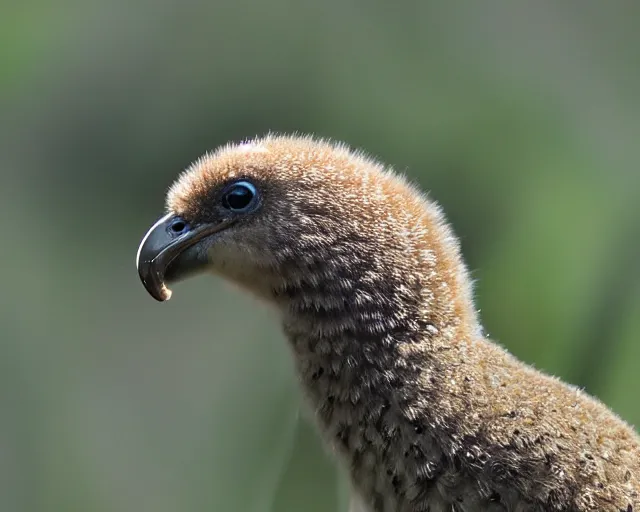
178, 226
239, 197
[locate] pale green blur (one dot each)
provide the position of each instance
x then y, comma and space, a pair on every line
523, 121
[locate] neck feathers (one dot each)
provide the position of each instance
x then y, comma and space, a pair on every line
376, 325
403, 286
373, 310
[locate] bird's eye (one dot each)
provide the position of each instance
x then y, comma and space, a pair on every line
239, 197
178, 226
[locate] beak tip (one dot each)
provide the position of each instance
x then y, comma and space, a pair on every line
154, 283
165, 293
158, 291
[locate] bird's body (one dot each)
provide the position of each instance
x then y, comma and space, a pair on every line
424, 411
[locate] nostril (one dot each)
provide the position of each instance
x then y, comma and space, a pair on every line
178, 226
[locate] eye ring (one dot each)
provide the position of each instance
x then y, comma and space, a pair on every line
240, 196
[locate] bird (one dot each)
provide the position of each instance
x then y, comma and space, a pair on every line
420, 407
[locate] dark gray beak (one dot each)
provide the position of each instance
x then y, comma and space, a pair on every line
165, 257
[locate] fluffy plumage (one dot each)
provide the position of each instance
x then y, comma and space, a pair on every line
424, 411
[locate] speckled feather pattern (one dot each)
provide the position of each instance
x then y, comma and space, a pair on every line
425, 412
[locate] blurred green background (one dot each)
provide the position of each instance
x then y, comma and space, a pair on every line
522, 119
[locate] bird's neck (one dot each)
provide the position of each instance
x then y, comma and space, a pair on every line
369, 335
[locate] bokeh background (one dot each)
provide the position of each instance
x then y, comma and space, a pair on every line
521, 118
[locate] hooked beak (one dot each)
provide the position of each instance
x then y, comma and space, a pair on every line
164, 257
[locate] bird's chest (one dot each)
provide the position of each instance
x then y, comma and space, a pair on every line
351, 424
389, 468
365, 409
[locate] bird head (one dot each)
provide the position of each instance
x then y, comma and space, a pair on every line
279, 211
